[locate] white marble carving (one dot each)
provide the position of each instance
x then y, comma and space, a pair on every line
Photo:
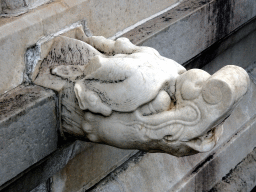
131, 97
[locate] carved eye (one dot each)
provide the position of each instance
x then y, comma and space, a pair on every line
92, 98
193, 81
190, 90
68, 71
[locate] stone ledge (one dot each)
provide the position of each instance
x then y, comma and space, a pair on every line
29, 153
27, 129
186, 30
205, 176
78, 156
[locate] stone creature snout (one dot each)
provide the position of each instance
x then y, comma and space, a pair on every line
134, 98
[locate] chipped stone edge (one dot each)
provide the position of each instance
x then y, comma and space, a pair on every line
45, 94
33, 56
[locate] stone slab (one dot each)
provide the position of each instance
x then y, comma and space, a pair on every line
89, 167
44, 169
105, 18
28, 129
161, 172
235, 37
192, 26
241, 178
241, 54
69, 154
221, 162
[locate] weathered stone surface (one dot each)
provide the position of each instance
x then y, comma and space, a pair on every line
80, 157
183, 166
241, 54
41, 188
16, 7
192, 26
237, 37
44, 169
159, 172
28, 129
89, 167
105, 18
241, 178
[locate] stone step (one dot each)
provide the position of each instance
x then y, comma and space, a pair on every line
28, 129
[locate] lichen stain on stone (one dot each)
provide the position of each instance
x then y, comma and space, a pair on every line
17, 99
224, 14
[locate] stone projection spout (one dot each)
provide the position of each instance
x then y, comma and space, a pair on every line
131, 97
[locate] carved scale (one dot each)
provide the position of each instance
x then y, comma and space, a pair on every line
131, 97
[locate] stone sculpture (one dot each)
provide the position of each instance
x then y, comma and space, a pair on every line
131, 97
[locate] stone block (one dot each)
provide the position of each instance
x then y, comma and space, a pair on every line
79, 157
28, 129
164, 167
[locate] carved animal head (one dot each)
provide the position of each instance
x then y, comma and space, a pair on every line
134, 98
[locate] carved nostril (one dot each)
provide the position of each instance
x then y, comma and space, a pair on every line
214, 92
191, 83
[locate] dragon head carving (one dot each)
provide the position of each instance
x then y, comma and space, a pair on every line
131, 97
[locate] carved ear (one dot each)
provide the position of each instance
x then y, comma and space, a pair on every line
70, 72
